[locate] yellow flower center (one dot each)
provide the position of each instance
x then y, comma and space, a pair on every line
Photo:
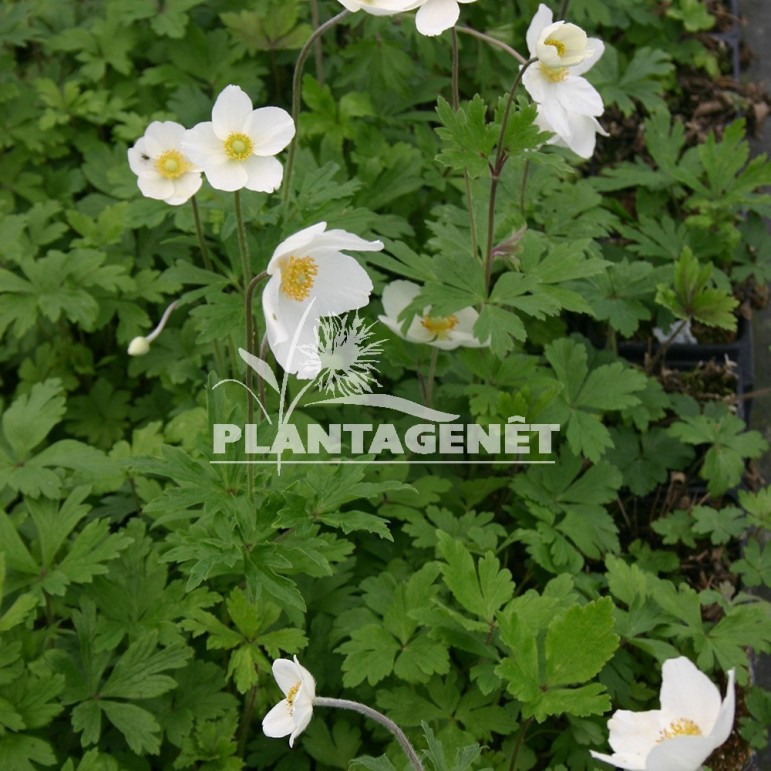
681, 727
555, 74
439, 326
558, 44
171, 164
297, 276
292, 693
238, 147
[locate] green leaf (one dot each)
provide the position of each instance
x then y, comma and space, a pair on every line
755, 565
467, 138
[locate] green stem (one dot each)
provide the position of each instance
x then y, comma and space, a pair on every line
523, 188
246, 719
431, 376
518, 746
296, 89
563, 14
456, 106
493, 42
496, 170
242, 247
317, 51
207, 263
373, 714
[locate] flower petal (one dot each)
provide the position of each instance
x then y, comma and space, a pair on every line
542, 19
263, 174
597, 47
576, 94
309, 682
297, 243
620, 760
681, 753
634, 733
202, 146
230, 175
156, 187
341, 285
397, 296
725, 718
185, 188
168, 134
232, 112
303, 712
271, 130
287, 674
686, 692
535, 83
278, 722
435, 16
139, 158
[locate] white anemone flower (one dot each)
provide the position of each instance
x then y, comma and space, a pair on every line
583, 133
378, 7
310, 272
236, 148
436, 16
290, 717
555, 81
163, 170
445, 332
690, 725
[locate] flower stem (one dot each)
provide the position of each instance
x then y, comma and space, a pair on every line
207, 263
563, 14
518, 746
246, 719
363, 709
431, 376
242, 247
493, 41
523, 188
296, 89
455, 106
251, 348
317, 50
496, 169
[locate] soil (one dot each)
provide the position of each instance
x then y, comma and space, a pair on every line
709, 381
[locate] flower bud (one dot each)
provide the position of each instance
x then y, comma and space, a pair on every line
139, 346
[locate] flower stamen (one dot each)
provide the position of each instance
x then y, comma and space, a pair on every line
681, 727
439, 326
297, 277
555, 74
290, 696
558, 44
171, 164
238, 147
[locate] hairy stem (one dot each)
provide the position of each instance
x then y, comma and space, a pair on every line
207, 263
496, 169
317, 50
296, 88
518, 746
363, 709
563, 14
493, 42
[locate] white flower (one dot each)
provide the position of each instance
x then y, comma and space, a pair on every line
691, 723
436, 16
139, 346
445, 332
163, 171
236, 148
379, 7
555, 81
309, 270
583, 133
293, 713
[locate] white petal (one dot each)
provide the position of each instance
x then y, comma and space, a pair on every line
634, 733
278, 722
275, 326
681, 753
557, 118
583, 135
263, 175
686, 692
536, 83
287, 674
597, 47
308, 691
341, 285
156, 187
168, 134
397, 296
303, 712
271, 131
436, 16
725, 719
576, 94
342, 239
231, 113
202, 146
542, 19
230, 175
139, 158
620, 761
297, 243
185, 188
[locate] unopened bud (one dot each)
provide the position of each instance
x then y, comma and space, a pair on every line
139, 346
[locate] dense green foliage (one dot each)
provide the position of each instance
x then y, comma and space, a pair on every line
497, 613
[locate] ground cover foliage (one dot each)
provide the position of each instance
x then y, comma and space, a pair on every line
497, 613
